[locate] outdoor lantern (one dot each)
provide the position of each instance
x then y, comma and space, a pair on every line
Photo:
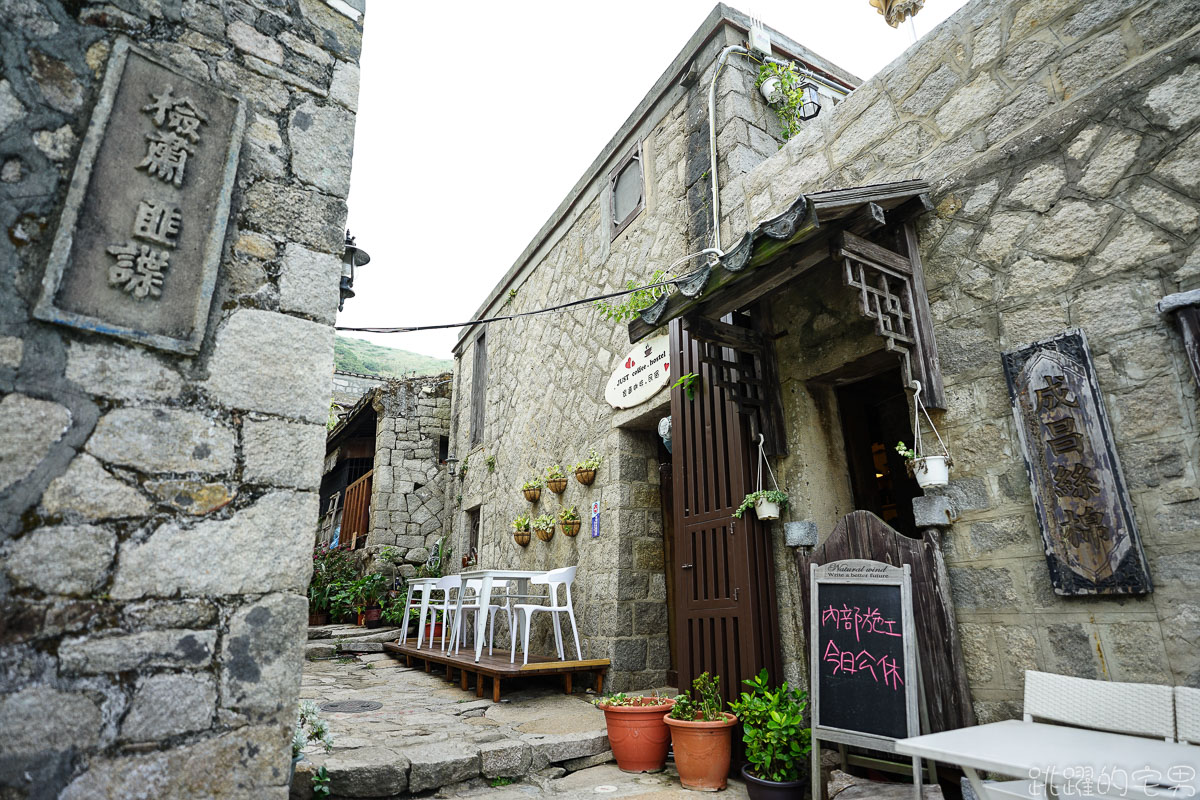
352, 257
810, 104
452, 463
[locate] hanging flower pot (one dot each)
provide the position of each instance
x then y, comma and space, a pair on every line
543, 526
585, 471
930, 470
765, 509
520, 527
585, 476
570, 527
556, 485
569, 518
521, 538
772, 90
533, 489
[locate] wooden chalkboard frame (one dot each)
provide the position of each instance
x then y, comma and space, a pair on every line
875, 573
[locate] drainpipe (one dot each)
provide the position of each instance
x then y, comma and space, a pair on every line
712, 133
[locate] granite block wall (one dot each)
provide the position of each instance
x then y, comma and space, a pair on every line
156, 510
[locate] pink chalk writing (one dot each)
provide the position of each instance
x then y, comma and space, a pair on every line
881, 668
855, 619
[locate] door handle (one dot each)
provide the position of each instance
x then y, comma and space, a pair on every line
685, 566
735, 593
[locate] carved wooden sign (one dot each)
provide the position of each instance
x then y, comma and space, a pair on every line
638, 377
1079, 492
139, 241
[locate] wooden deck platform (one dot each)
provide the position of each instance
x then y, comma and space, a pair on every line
497, 666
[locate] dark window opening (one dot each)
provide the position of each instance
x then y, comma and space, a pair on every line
473, 531
874, 418
443, 449
478, 389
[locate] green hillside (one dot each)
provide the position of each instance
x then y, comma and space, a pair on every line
357, 355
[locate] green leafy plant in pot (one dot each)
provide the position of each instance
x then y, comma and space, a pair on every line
374, 591
702, 735
767, 504
777, 741
637, 731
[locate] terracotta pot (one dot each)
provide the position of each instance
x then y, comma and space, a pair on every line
772, 790
319, 618
585, 476
433, 630
545, 535
702, 751
638, 736
556, 485
571, 527
532, 495
361, 619
374, 617
521, 537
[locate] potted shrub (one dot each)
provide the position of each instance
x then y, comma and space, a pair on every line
520, 527
569, 518
702, 735
533, 489
374, 589
543, 526
767, 504
636, 731
332, 569
777, 741
585, 471
928, 470
556, 479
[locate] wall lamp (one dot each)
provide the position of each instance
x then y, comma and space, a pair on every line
352, 257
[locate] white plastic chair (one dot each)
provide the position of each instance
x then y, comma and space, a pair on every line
418, 591
445, 585
1187, 715
554, 578
1140, 709
473, 602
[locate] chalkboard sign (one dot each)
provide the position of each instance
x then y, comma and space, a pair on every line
864, 663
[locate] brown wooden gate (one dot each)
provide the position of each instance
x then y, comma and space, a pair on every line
726, 617
356, 513
861, 534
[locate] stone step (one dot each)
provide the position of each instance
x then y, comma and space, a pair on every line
353, 632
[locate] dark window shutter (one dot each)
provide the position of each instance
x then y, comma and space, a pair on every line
478, 389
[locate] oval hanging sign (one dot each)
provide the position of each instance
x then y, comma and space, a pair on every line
640, 375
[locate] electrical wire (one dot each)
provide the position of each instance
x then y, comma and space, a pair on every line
549, 310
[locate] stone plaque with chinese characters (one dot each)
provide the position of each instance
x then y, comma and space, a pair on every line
1083, 506
139, 242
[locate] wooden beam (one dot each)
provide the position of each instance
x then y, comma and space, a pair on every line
877, 193
870, 218
815, 251
910, 210
933, 393
720, 333
1189, 328
853, 245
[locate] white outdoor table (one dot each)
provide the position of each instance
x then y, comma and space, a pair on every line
1119, 765
487, 578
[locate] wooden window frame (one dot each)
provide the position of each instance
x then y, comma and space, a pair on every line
478, 389
618, 226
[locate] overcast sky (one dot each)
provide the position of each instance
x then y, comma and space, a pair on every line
475, 120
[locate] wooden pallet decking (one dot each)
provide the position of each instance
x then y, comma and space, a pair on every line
497, 666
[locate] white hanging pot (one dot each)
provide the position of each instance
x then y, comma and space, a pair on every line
931, 471
765, 509
771, 90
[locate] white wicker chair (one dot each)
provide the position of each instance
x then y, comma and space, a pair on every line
1140, 709
1187, 715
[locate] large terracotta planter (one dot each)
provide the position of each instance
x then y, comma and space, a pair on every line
638, 736
556, 485
702, 751
759, 789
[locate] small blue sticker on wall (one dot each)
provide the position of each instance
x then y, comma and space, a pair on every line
596, 520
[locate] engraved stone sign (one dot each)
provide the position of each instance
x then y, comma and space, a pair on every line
1079, 492
139, 242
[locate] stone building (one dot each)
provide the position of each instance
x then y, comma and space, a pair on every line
1035, 161
158, 480
386, 473
349, 387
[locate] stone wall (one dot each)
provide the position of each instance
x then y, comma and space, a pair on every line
1061, 140
546, 374
349, 387
156, 510
408, 492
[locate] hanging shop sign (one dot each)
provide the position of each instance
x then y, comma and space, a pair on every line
1091, 539
640, 375
139, 241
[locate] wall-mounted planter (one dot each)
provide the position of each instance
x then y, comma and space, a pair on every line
585, 476
570, 527
532, 495
545, 534
556, 485
521, 538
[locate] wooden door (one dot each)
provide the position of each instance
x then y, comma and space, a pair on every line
726, 617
